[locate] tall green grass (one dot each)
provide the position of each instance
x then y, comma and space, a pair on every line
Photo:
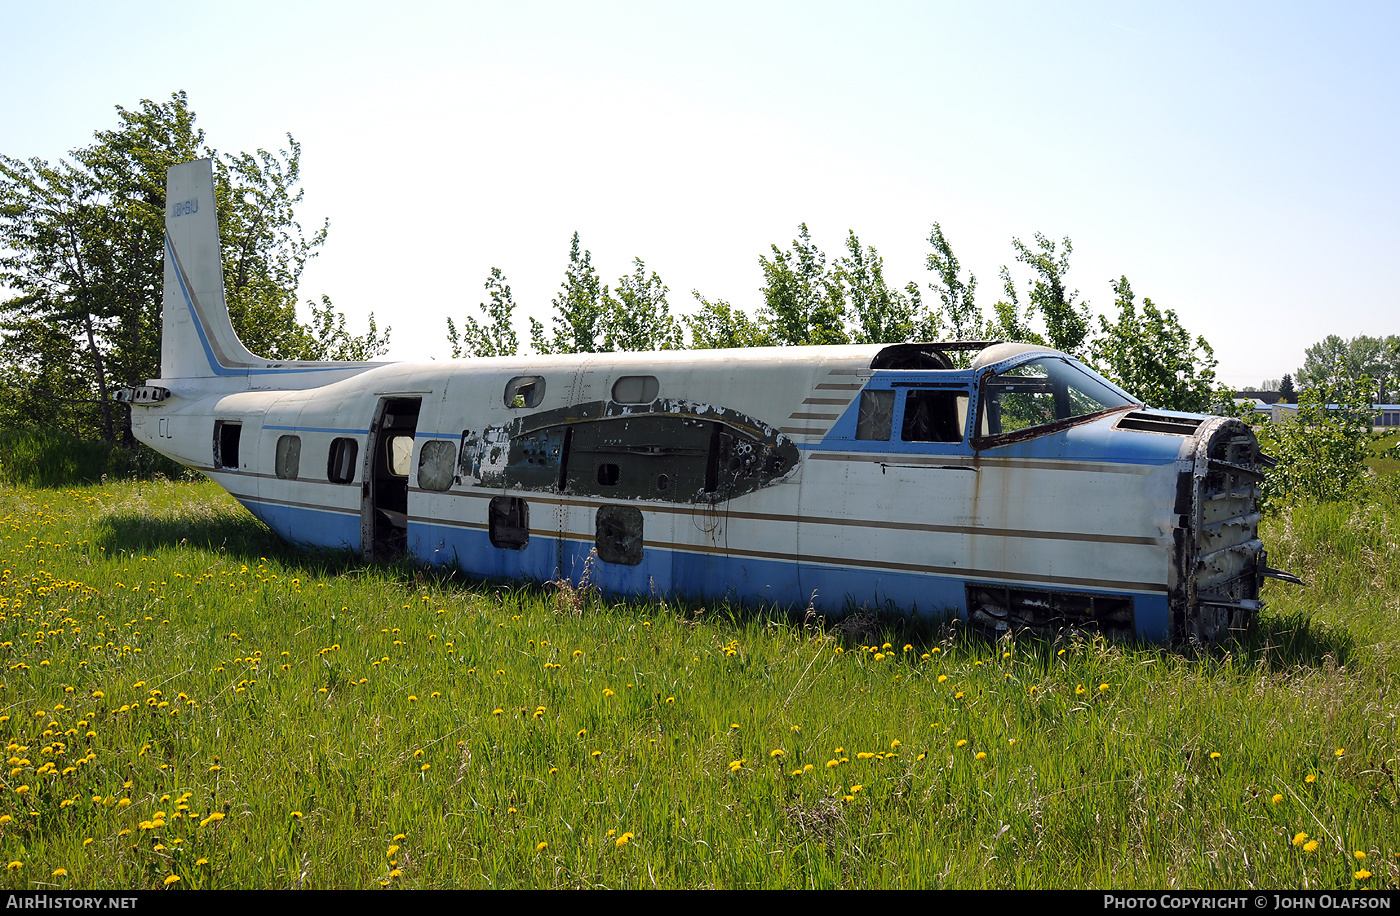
47, 458
221, 711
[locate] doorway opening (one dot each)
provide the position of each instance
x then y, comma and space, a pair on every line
385, 519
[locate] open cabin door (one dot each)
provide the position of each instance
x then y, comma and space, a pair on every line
384, 516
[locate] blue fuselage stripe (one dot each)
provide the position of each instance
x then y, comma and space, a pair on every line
826, 587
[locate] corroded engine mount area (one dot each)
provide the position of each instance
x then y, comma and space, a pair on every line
1218, 561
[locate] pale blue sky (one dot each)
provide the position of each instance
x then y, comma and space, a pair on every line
1237, 162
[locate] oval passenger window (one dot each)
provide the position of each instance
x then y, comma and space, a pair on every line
525, 391
636, 389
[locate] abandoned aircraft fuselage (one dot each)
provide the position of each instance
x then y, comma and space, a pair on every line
1021, 491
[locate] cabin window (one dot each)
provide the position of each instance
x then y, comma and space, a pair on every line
934, 416
436, 464
288, 457
619, 535
608, 475
226, 436
510, 523
525, 391
636, 389
876, 415
340, 466
1041, 392
400, 455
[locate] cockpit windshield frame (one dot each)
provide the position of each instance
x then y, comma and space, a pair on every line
1040, 393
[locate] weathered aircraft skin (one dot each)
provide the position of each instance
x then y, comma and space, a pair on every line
1020, 491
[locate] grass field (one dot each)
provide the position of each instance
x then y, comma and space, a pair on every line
187, 703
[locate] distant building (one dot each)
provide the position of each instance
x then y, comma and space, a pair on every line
1387, 416
1267, 397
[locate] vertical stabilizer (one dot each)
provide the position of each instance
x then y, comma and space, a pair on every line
198, 340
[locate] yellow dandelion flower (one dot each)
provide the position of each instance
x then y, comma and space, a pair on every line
541, 847
962, 742
777, 752
212, 819
607, 692
202, 862
958, 695
390, 853
1214, 755
624, 839
1276, 800
1299, 838
670, 699
736, 765
582, 732
396, 873
1341, 752
397, 837
553, 770
981, 755
832, 763
1079, 690
412, 698
60, 872
425, 768
497, 711
596, 754
5, 819
16, 864
1362, 875
1359, 856
848, 798
1310, 846
1310, 778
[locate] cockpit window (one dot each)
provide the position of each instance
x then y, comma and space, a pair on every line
1041, 393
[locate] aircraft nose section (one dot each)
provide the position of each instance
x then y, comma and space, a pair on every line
1220, 560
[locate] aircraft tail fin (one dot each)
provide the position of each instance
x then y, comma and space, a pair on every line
197, 339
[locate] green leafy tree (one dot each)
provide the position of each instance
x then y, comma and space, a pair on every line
495, 336
802, 300
326, 337
1149, 354
1334, 362
1320, 452
718, 325
1010, 323
1286, 392
579, 320
82, 244
639, 318
959, 312
265, 249
59, 248
1067, 325
880, 314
